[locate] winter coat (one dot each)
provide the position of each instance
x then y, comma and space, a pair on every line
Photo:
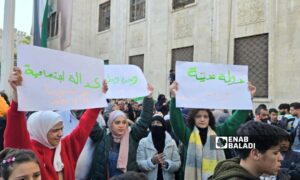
17, 136
231, 169
291, 163
228, 128
103, 143
146, 151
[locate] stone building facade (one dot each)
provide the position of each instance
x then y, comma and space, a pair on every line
154, 34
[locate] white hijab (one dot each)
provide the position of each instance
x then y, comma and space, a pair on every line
39, 124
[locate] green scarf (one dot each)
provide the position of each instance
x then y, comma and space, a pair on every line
201, 161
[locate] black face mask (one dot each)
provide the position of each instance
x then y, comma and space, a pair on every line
157, 130
158, 137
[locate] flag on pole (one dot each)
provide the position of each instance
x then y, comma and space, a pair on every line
40, 33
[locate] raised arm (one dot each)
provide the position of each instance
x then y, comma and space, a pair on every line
139, 129
97, 133
77, 139
177, 122
16, 134
232, 123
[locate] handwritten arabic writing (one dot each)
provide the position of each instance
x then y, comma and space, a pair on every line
203, 77
121, 80
72, 78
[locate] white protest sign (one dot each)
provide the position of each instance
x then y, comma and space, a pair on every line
56, 80
125, 81
217, 86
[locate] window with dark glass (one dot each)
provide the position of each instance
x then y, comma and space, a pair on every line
106, 62
182, 54
253, 52
137, 10
104, 16
181, 3
137, 60
53, 25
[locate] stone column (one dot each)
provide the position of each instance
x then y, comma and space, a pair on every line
8, 45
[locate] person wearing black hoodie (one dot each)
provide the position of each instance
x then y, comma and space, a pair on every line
162, 105
157, 154
291, 159
265, 158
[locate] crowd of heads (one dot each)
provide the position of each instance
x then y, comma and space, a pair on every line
270, 130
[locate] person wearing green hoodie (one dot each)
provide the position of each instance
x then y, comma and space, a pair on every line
265, 158
198, 160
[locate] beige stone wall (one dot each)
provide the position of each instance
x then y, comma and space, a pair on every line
210, 26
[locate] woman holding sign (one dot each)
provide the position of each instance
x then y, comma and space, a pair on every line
199, 160
115, 151
57, 155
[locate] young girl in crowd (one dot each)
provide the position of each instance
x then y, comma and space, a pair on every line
199, 160
57, 155
115, 151
19, 164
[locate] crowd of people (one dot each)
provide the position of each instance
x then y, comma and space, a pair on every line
151, 139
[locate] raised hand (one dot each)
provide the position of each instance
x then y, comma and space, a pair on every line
150, 90
104, 87
173, 89
252, 89
15, 79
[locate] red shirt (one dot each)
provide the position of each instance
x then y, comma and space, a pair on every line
17, 136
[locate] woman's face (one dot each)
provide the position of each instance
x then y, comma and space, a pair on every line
202, 119
27, 171
55, 134
119, 125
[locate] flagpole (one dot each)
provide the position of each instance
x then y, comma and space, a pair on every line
8, 35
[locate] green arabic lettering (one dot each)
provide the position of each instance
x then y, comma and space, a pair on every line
28, 70
31, 72
133, 80
40, 73
62, 77
237, 82
221, 77
202, 78
231, 78
212, 76
192, 72
71, 79
77, 79
97, 84
55, 75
